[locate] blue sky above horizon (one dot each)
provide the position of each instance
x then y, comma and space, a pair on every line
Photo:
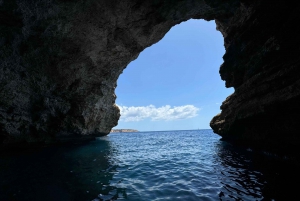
175, 83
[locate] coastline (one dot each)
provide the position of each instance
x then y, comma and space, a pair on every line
123, 131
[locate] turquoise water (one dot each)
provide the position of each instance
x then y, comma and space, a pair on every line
147, 166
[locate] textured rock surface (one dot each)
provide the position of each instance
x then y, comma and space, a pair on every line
262, 64
59, 62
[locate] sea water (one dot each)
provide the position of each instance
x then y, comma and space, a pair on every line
147, 166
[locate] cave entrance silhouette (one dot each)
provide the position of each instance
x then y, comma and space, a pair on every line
175, 83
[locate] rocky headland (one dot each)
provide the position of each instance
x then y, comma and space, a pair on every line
60, 60
123, 131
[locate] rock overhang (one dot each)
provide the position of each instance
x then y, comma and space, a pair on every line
60, 61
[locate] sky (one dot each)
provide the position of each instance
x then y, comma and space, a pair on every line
175, 83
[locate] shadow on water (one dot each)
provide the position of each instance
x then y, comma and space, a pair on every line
188, 166
60, 173
249, 175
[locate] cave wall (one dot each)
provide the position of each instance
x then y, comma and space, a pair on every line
60, 60
262, 64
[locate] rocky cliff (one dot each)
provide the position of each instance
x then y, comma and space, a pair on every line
262, 64
60, 60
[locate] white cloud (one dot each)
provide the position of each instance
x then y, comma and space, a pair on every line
166, 113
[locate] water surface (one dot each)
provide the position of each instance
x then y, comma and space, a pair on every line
147, 166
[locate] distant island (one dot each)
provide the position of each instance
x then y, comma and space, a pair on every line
123, 130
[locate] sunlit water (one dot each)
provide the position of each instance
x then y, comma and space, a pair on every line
147, 166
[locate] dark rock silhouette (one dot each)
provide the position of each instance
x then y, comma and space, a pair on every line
60, 60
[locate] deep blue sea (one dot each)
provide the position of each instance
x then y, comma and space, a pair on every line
147, 166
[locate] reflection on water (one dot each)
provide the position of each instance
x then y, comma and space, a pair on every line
60, 173
238, 177
248, 175
172, 165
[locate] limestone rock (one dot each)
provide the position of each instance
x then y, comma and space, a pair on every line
60, 60
262, 64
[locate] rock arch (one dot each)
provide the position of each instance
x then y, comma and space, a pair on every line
60, 61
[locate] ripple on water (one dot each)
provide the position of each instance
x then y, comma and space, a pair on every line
173, 165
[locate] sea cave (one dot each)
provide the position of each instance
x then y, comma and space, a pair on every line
60, 61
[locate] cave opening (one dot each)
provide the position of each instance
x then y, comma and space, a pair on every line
175, 83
